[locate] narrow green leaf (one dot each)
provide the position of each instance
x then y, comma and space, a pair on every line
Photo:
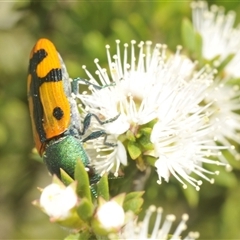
144, 140
188, 35
130, 136
230, 214
78, 236
100, 237
120, 198
234, 81
135, 205
224, 178
56, 180
191, 195
231, 160
134, 150
81, 176
146, 130
133, 202
225, 62
133, 195
66, 179
198, 47
85, 209
103, 188
150, 160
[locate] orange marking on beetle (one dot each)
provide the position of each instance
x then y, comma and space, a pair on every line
48, 104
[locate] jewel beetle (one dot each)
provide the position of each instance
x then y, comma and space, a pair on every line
54, 113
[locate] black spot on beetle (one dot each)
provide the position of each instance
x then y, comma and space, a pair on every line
58, 113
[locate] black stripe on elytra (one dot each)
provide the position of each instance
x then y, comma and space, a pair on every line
54, 75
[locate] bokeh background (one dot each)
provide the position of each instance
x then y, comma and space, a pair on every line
80, 30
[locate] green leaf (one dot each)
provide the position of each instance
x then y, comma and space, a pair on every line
191, 195
134, 205
225, 62
146, 131
130, 136
103, 188
134, 150
85, 209
234, 81
144, 140
66, 179
56, 180
100, 237
133, 195
230, 215
133, 201
198, 47
232, 160
188, 35
78, 236
150, 160
224, 178
120, 198
81, 176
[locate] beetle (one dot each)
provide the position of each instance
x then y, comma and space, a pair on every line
54, 113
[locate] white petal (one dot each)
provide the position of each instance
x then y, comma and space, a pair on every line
162, 169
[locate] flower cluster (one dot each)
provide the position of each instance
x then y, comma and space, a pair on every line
221, 45
172, 116
159, 98
109, 218
140, 230
166, 111
220, 38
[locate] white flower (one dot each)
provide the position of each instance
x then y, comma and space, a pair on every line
182, 133
106, 158
216, 29
58, 201
232, 69
182, 151
132, 94
219, 36
111, 215
140, 230
165, 91
224, 117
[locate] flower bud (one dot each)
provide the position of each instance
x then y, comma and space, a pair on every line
60, 204
57, 202
109, 218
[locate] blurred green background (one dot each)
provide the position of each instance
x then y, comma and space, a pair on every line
80, 30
